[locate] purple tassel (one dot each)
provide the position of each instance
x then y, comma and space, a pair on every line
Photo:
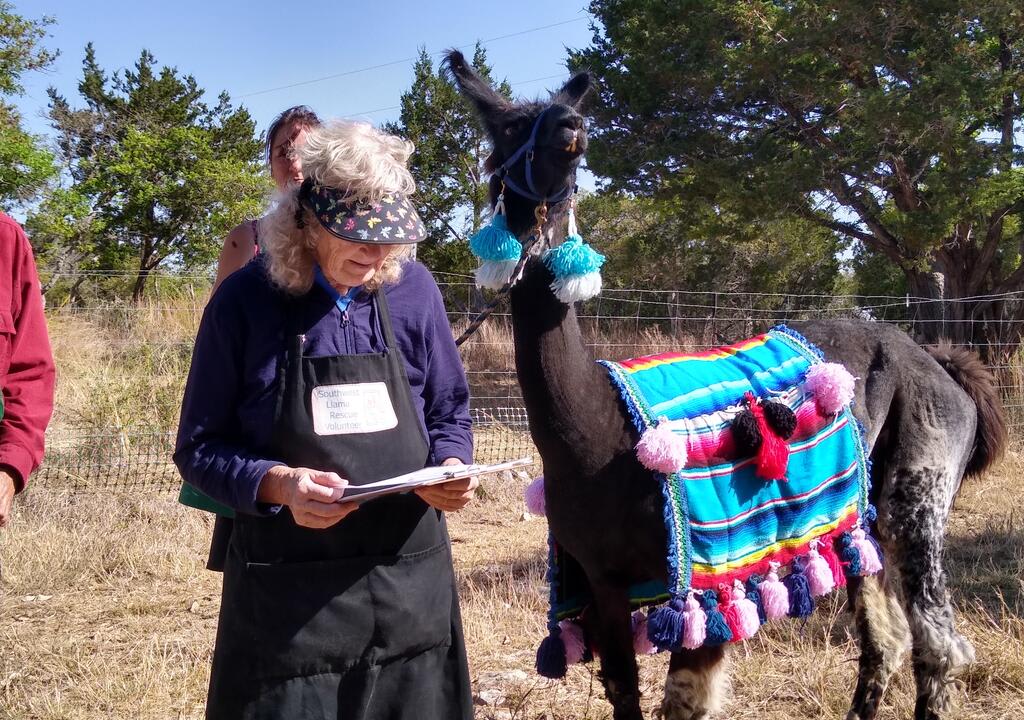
534, 495
665, 626
694, 623
754, 596
774, 595
551, 656
572, 641
801, 604
717, 630
642, 644
819, 574
849, 555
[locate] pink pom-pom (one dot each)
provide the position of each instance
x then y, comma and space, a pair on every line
870, 563
774, 595
661, 450
534, 496
750, 621
832, 386
642, 644
694, 623
572, 638
819, 574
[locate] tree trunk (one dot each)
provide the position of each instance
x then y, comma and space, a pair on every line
943, 309
139, 291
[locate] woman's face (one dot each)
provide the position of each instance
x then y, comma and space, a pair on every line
285, 167
347, 264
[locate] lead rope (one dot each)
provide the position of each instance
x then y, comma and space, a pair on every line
540, 214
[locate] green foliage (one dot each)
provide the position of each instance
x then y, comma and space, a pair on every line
24, 164
163, 176
448, 163
888, 123
655, 244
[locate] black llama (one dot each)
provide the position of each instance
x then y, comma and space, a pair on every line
931, 418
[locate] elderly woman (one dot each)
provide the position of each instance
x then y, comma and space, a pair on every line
326, 363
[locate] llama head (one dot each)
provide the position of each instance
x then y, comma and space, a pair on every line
560, 142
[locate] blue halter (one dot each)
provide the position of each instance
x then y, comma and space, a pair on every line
527, 150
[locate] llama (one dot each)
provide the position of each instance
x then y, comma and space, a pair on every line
930, 418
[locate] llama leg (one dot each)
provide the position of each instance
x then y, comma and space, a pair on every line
615, 643
883, 633
697, 683
917, 522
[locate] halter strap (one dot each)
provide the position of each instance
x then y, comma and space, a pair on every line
527, 150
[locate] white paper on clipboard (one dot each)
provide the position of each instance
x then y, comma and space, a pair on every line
421, 478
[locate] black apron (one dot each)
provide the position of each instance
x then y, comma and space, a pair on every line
359, 621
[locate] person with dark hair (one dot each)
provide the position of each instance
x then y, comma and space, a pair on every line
26, 365
285, 135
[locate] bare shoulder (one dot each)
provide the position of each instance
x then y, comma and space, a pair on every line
241, 236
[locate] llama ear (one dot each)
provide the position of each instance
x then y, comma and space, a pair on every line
573, 92
488, 102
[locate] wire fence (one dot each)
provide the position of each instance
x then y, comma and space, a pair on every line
107, 452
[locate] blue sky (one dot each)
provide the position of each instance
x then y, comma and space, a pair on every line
256, 50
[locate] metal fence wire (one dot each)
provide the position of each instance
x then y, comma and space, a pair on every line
619, 323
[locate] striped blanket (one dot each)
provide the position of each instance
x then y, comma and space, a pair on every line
729, 529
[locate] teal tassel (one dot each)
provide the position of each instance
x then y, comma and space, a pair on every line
495, 242
718, 632
573, 257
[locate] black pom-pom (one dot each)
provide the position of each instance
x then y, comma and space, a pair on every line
781, 419
745, 433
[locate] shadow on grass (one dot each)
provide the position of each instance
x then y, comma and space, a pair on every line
987, 565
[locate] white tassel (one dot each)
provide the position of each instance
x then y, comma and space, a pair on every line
493, 274
575, 288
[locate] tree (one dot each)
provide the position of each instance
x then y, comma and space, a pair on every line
448, 163
24, 164
650, 243
66, 235
165, 175
889, 123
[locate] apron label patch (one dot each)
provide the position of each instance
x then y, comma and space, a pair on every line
352, 408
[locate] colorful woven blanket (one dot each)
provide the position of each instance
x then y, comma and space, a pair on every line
765, 480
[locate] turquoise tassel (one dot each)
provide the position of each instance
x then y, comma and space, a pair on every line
573, 257
495, 242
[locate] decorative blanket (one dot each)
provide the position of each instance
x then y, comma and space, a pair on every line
764, 468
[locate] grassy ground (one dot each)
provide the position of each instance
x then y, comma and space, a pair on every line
106, 611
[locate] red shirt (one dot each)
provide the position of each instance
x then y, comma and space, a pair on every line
26, 363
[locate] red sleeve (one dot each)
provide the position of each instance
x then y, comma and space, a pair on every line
26, 363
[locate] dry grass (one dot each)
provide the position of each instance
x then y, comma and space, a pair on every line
106, 611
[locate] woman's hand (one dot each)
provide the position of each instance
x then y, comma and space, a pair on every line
310, 494
450, 496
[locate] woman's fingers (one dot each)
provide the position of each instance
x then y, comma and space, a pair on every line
319, 515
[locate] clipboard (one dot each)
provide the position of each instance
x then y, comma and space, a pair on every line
422, 478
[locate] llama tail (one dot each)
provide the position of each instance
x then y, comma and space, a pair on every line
966, 368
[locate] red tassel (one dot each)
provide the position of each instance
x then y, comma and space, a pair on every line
731, 612
773, 455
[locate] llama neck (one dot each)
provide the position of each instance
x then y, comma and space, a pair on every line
575, 416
